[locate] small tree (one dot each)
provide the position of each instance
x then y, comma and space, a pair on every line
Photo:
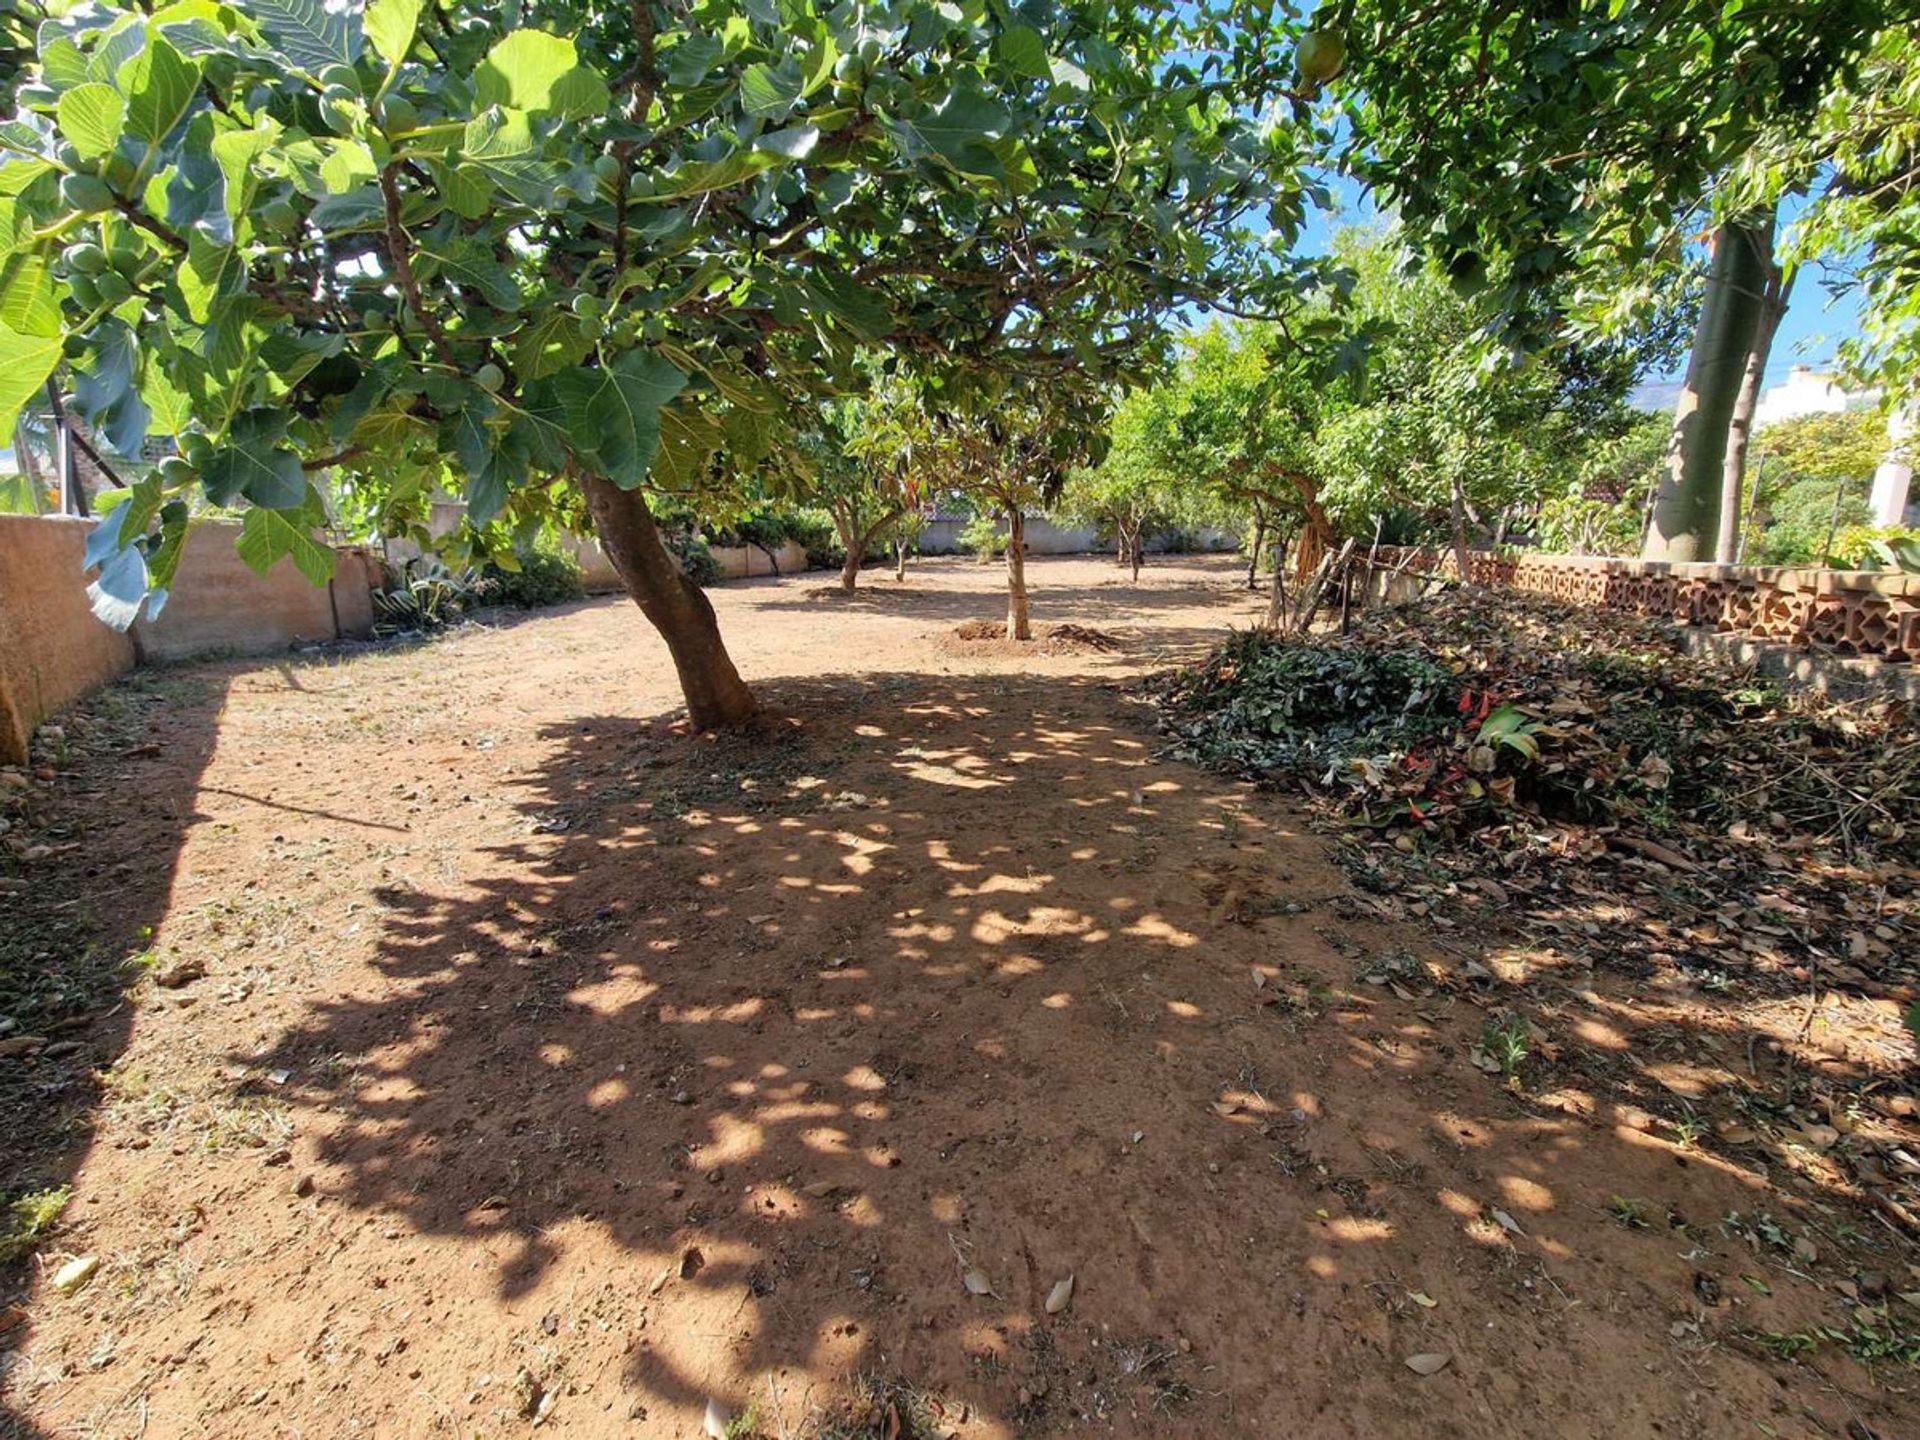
1134, 490
1116, 498
873, 485
1014, 458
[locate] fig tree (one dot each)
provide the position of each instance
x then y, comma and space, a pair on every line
1321, 56
88, 194
85, 258
398, 114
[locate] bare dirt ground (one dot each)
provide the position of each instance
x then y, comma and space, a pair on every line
494, 1056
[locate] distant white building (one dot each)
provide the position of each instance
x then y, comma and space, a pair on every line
1807, 391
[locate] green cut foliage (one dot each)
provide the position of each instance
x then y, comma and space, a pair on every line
1264, 707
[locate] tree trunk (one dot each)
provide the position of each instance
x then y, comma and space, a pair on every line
1019, 623
1259, 542
1740, 429
850, 569
1462, 556
1130, 547
1741, 527
1317, 538
1277, 597
717, 698
1686, 509
900, 560
1833, 524
1120, 545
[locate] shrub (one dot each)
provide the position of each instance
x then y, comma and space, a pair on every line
547, 576
1801, 515
689, 548
1574, 524
1869, 547
771, 526
983, 537
812, 531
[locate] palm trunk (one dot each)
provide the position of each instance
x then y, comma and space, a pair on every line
717, 698
1686, 509
1019, 623
1740, 429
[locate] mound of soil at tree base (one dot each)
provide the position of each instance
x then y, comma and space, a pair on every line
989, 637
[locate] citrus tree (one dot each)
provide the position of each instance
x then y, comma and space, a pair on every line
1239, 421
1125, 496
562, 257
1447, 422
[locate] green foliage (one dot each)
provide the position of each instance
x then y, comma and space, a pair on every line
426, 244
1574, 523
1846, 446
1442, 410
1876, 547
1865, 135
770, 524
1262, 705
1235, 430
543, 576
26, 1219
982, 536
812, 530
1602, 508
1503, 1040
689, 548
1814, 479
1521, 144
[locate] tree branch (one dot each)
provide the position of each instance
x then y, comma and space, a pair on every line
398, 246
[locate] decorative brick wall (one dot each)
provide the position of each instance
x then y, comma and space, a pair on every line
1853, 612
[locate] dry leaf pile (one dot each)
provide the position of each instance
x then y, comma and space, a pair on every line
1522, 754
1514, 769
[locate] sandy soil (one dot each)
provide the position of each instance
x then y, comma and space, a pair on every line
551, 1068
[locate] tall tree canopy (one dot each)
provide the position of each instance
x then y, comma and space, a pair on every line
568, 251
1528, 141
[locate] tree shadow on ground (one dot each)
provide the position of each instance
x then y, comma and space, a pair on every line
110, 800
759, 1064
